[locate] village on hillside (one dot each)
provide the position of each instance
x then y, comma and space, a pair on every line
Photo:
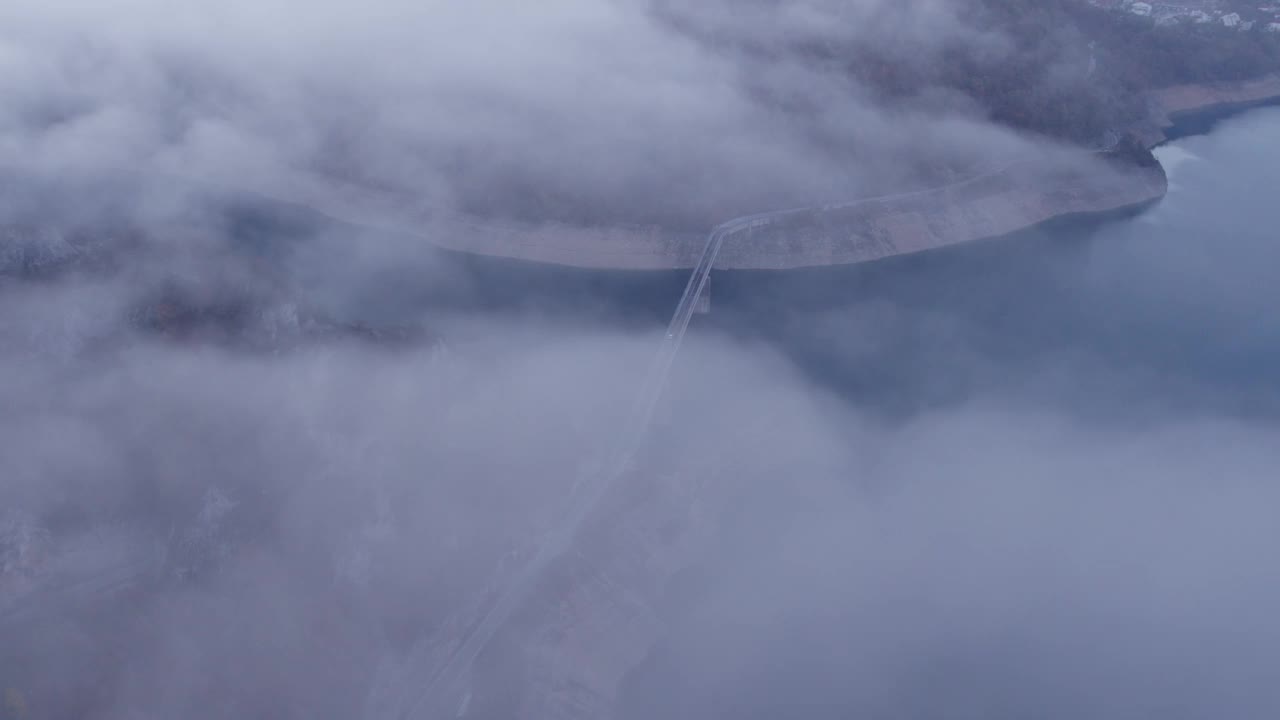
1243, 16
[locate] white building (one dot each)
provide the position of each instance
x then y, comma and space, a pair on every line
1201, 16
1273, 27
1140, 8
1231, 19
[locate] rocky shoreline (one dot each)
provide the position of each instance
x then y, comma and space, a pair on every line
987, 206
1191, 109
991, 206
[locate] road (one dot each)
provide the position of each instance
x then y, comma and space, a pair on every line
433, 682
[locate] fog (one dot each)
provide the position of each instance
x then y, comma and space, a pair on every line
249, 454
1009, 565
581, 111
1052, 494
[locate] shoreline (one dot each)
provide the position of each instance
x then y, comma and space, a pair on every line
1185, 110
984, 207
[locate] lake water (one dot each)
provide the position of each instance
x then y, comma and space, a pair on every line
1173, 306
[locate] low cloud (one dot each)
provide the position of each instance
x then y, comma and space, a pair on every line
579, 111
248, 452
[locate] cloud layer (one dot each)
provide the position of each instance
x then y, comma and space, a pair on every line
579, 111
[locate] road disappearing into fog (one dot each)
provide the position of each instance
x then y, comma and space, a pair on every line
656, 380
433, 681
